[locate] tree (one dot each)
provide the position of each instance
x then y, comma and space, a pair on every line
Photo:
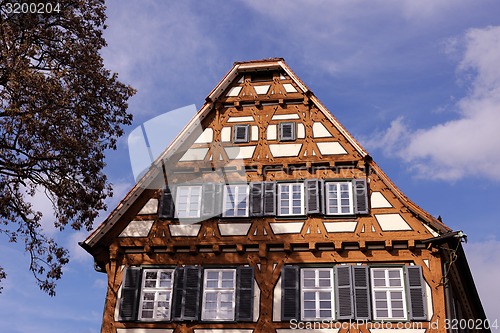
60, 110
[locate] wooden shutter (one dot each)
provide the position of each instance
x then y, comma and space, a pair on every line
244, 293
130, 294
178, 294
269, 198
211, 199
186, 294
256, 199
362, 308
287, 131
313, 201
290, 298
241, 133
167, 204
343, 292
361, 196
192, 293
416, 293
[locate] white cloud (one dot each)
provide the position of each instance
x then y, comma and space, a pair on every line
467, 146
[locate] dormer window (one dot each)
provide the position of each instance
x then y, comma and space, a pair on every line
241, 133
287, 132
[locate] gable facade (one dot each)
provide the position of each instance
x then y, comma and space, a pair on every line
265, 215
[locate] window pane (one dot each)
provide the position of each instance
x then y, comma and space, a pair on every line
219, 294
156, 294
147, 314
388, 293
382, 313
325, 313
309, 296
317, 293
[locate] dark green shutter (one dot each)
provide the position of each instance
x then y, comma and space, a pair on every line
269, 198
361, 196
313, 201
362, 308
192, 293
167, 204
343, 292
211, 200
244, 293
178, 294
130, 294
256, 199
186, 293
290, 297
415, 293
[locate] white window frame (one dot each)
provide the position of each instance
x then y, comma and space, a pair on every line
289, 201
237, 189
338, 200
317, 290
157, 290
390, 292
218, 291
185, 213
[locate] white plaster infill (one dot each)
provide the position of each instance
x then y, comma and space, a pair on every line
286, 227
194, 154
206, 136
340, 226
184, 230
234, 229
285, 116
151, 207
331, 148
284, 150
237, 153
379, 201
240, 119
137, 229
320, 131
392, 222
289, 88
223, 330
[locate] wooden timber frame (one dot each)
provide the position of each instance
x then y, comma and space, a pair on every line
262, 94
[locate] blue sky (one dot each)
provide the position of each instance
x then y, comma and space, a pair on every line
416, 82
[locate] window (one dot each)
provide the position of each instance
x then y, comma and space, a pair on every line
235, 200
358, 292
339, 199
291, 199
219, 289
287, 131
187, 293
240, 134
388, 294
156, 294
317, 296
188, 201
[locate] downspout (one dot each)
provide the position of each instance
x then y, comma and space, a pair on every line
447, 295
448, 238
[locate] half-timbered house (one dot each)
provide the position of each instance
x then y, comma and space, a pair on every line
265, 215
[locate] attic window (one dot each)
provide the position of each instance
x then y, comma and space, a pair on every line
261, 76
287, 131
241, 133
